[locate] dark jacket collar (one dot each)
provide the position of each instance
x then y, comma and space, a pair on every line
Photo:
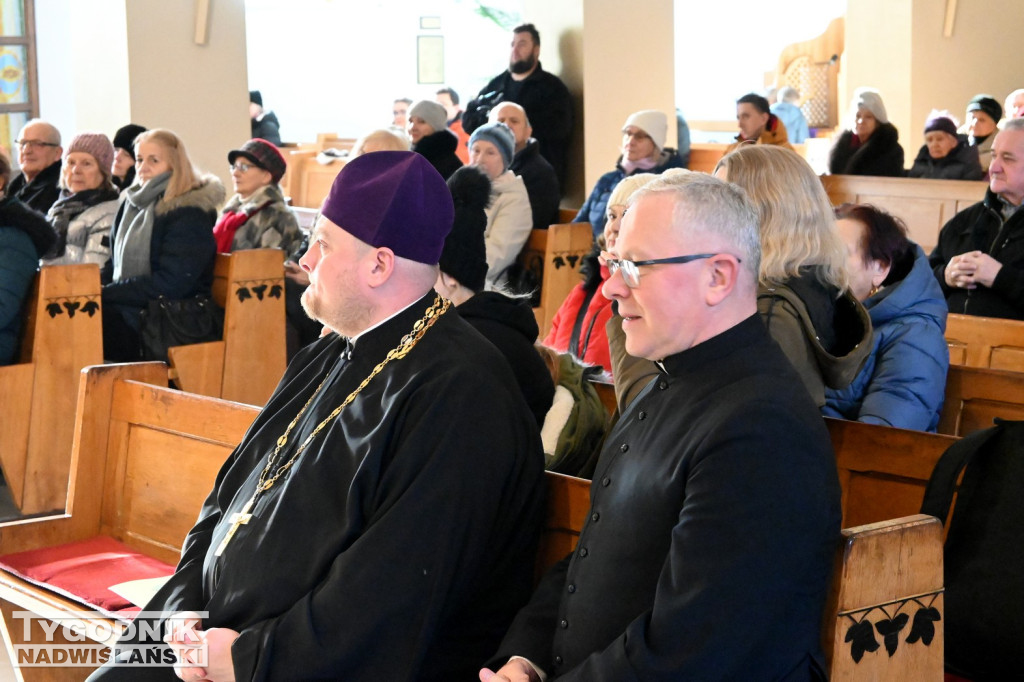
738, 338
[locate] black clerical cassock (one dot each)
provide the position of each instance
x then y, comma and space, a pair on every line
400, 542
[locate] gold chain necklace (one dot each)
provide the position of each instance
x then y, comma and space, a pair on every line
267, 481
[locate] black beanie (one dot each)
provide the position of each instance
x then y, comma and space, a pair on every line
464, 256
125, 136
255, 97
988, 104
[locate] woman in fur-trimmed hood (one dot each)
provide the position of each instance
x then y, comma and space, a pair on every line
162, 240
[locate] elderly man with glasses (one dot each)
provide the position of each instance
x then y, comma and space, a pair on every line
39, 154
715, 503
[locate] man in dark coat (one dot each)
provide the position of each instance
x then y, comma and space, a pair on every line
538, 175
264, 123
979, 260
39, 154
715, 510
543, 95
363, 528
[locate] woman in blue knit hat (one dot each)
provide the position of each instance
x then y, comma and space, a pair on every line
509, 216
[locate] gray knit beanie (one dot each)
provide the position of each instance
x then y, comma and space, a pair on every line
432, 113
870, 99
501, 136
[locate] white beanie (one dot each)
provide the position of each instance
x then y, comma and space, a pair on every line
867, 98
432, 113
652, 122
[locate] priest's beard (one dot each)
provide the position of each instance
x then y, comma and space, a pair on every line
523, 65
348, 316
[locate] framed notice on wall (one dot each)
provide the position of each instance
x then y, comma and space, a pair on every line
429, 59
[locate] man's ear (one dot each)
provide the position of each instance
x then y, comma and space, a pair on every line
381, 267
723, 271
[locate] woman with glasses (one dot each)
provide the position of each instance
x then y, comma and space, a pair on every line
257, 217
162, 241
84, 211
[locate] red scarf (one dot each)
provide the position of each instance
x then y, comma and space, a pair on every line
224, 230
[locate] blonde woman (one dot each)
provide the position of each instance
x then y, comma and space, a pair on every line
804, 296
162, 242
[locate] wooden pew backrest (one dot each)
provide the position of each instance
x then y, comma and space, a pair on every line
883, 471
924, 205
556, 254
246, 364
975, 396
63, 332
985, 342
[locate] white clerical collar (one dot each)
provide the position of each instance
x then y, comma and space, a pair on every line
352, 340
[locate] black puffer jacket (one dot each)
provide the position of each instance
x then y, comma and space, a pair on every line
959, 164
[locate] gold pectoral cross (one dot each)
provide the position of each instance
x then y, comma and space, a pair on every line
239, 519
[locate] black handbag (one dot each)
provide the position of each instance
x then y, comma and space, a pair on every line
167, 323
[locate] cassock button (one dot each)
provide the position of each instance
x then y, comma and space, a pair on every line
583, 552
624, 447
662, 385
642, 416
595, 516
558, 660
571, 588
564, 624
606, 481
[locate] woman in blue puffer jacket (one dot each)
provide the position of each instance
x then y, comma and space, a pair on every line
902, 384
643, 151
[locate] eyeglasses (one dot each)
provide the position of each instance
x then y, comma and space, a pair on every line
631, 268
241, 167
34, 144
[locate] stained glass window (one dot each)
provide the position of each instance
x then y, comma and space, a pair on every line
19, 100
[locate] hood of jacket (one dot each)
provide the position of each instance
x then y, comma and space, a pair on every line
514, 313
837, 326
208, 195
916, 295
15, 214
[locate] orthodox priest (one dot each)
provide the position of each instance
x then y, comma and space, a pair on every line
374, 521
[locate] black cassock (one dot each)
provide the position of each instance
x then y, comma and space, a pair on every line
400, 544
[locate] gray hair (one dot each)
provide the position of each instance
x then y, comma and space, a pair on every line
1013, 124
788, 94
51, 130
705, 204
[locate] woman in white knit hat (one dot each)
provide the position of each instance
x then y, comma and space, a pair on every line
870, 145
84, 211
643, 151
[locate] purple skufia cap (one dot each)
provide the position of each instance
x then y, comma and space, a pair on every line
393, 199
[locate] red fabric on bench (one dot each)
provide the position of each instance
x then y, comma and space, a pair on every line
85, 570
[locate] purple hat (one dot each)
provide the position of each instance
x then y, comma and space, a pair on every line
393, 199
96, 144
264, 154
940, 122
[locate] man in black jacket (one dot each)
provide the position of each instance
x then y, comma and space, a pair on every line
979, 260
543, 95
538, 175
39, 154
714, 515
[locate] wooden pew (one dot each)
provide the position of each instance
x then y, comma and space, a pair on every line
145, 458
881, 570
985, 342
704, 156
63, 333
924, 205
555, 255
975, 396
567, 215
883, 471
246, 364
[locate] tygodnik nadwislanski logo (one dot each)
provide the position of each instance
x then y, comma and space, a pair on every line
81, 639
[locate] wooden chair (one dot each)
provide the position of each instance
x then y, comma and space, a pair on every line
924, 205
144, 459
63, 332
882, 572
985, 342
247, 363
975, 396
